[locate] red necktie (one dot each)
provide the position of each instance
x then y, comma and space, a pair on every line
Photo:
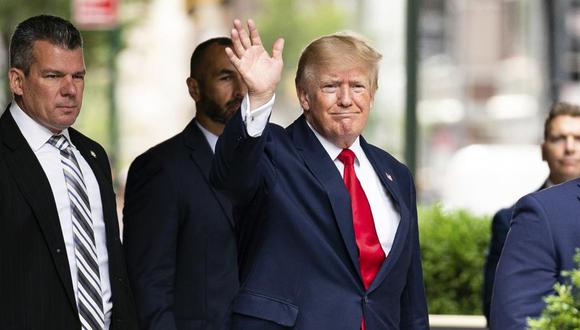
371, 254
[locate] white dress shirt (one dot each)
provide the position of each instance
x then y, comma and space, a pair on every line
385, 215
49, 157
209, 136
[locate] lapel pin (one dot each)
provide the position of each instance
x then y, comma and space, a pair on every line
93, 154
389, 177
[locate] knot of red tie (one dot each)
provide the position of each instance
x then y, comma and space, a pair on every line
346, 156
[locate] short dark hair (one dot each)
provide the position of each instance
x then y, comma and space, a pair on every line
198, 54
560, 109
53, 29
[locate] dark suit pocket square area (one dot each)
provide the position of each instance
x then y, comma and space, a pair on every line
258, 311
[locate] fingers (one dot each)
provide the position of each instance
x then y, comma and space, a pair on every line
236, 42
243, 35
254, 35
277, 49
233, 57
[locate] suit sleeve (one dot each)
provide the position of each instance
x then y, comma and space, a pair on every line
499, 229
527, 269
236, 167
150, 238
414, 313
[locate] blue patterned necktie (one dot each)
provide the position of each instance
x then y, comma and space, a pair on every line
90, 300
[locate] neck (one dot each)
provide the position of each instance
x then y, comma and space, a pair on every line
212, 126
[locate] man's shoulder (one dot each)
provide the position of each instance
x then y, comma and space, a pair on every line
569, 188
383, 157
557, 200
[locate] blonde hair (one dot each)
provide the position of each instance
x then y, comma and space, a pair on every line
336, 51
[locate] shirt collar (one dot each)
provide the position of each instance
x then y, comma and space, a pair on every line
35, 134
209, 136
333, 150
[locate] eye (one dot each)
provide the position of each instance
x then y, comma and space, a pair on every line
358, 88
329, 88
50, 76
79, 77
557, 139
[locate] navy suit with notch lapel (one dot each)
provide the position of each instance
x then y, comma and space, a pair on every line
500, 225
298, 256
179, 237
541, 243
35, 282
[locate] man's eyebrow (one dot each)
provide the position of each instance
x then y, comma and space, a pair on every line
225, 71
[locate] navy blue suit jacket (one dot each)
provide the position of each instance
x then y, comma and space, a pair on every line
179, 237
541, 243
298, 256
500, 225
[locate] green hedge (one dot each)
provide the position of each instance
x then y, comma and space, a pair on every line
453, 247
562, 310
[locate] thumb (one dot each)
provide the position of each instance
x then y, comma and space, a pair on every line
277, 49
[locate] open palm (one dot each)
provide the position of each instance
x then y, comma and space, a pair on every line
260, 71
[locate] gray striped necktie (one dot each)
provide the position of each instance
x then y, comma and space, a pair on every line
90, 300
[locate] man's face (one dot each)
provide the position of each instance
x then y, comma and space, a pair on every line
221, 89
561, 150
337, 103
52, 92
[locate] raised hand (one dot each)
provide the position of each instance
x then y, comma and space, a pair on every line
260, 72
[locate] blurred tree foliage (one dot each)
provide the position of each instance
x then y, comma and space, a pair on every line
453, 246
298, 22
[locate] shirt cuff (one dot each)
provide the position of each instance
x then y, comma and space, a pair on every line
256, 120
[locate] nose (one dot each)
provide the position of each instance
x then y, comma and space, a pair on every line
344, 96
68, 87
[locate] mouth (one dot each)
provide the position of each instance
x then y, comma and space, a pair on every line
67, 108
569, 162
343, 114
234, 105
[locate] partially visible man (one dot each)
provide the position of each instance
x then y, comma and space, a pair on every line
561, 151
327, 223
178, 231
544, 231
62, 261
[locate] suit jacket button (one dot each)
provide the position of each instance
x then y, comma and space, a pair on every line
57, 250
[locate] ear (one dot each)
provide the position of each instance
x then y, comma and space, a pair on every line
193, 88
16, 81
304, 99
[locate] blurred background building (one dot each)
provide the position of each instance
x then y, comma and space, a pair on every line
463, 90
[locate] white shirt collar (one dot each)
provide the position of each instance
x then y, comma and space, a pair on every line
209, 136
333, 150
35, 134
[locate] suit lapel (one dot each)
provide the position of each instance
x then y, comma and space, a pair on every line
33, 183
390, 183
325, 171
105, 187
202, 155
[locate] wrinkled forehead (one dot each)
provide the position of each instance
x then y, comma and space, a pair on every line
340, 69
